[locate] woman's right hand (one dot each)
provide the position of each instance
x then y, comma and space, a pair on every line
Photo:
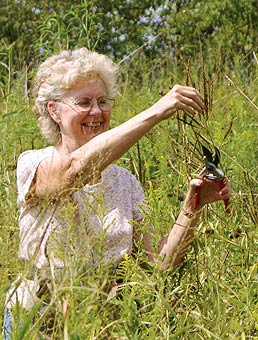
179, 97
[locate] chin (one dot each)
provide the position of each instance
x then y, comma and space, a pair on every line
93, 135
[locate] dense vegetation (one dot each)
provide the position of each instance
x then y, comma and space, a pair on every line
209, 44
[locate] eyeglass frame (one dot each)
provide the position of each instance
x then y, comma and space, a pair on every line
91, 105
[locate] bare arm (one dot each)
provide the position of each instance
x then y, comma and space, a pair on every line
64, 172
174, 247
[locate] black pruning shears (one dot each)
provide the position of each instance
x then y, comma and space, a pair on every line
213, 173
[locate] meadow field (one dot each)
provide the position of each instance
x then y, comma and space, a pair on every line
214, 293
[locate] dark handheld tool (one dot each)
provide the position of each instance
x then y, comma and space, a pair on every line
213, 173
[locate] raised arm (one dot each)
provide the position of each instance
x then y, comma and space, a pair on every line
85, 163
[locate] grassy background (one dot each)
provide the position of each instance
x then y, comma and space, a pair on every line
213, 295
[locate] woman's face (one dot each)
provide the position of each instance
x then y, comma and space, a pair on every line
84, 112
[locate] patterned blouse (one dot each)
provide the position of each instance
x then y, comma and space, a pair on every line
90, 226
93, 223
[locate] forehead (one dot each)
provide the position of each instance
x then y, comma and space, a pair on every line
90, 87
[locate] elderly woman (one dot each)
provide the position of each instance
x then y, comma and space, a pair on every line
74, 95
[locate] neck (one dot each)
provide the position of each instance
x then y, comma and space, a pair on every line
66, 147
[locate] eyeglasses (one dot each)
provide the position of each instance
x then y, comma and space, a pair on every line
85, 104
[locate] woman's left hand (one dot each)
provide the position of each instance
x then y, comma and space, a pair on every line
209, 192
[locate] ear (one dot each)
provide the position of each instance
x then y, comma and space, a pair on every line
52, 109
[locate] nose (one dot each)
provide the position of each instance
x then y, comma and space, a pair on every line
95, 109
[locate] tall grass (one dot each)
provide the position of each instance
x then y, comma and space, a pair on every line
213, 294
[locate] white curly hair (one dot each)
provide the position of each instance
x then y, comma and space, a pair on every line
61, 72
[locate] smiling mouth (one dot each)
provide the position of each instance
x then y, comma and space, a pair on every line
92, 124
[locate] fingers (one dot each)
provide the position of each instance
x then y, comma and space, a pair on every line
225, 192
188, 99
196, 182
211, 191
180, 97
204, 191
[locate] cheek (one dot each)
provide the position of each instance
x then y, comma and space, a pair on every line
107, 117
72, 119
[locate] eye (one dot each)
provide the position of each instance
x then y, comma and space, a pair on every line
84, 102
103, 101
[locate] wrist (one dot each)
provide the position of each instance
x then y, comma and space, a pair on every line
161, 112
191, 213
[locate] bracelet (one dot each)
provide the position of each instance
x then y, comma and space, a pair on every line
189, 214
